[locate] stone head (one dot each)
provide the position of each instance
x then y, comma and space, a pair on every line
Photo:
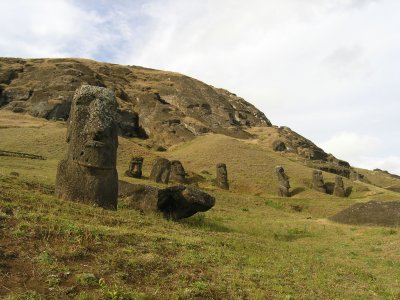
177, 167
92, 131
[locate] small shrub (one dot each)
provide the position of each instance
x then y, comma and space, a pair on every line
45, 258
292, 234
274, 204
118, 293
87, 279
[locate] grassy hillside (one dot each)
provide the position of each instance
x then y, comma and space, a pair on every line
251, 245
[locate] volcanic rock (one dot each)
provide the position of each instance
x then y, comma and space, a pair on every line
88, 173
318, 181
222, 176
161, 170
175, 202
284, 186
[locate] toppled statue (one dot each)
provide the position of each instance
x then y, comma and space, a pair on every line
88, 173
339, 190
176, 202
178, 173
161, 170
222, 176
318, 181
135, 167
284, 186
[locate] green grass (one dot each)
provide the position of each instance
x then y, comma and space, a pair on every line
251, 245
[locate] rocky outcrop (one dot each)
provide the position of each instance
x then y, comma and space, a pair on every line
167, 107
88, 173
283, 179
175, 202
279, 146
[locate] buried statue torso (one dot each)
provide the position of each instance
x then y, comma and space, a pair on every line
88, 173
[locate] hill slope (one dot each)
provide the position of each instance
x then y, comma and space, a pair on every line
167, 106
251, 245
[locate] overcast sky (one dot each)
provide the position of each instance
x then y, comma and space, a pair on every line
326, 68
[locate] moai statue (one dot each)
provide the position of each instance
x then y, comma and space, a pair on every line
135, 167
88, 173
339, 190
178, 173
161, 170
318, 181
222, 176
284, 186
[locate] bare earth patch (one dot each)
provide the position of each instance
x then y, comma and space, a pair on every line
370, 213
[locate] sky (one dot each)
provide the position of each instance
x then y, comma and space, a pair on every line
328, 69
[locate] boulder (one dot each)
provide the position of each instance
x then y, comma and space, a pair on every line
135, 167
178, 173
222, 176
318, 181
175, 202
161, 170
339, 190
88, 172
284, 186
279, 146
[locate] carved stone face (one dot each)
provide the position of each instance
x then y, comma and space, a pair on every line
92, 132
318, 179
282, 177
222, 172
177, 168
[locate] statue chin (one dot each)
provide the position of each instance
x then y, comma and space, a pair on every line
95, 166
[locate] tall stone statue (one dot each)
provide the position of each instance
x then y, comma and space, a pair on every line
135, 167
339, 190
222, 176
318, 181
284, 186
178, 173
88, 172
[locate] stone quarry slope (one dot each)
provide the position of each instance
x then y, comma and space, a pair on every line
168, 107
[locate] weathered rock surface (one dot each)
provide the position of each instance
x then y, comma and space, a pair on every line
135, 167
88, 172
222, 176
339, 190
161, 170
318, 181
175, 202
178, 173
168, 107
370, 213
279, 146
283, 179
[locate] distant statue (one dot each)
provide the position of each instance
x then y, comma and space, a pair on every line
161, 170
222, 176
339, 190
88, 173
135, 167
284, 186
318, 181
178, 173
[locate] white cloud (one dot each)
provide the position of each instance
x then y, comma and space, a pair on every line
318, 66
351, 146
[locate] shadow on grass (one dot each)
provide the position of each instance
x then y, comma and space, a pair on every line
297, 191
292, 234
201, 222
